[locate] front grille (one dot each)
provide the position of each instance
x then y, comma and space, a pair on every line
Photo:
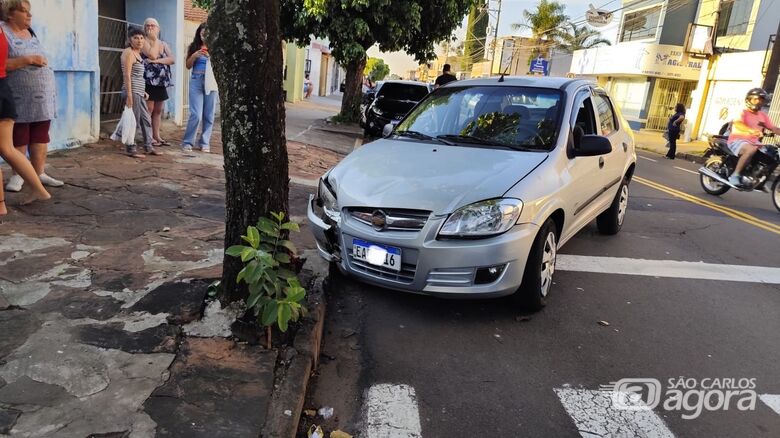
396, 219
405, 276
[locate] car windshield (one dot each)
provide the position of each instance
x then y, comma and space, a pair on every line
515, 117
414, 93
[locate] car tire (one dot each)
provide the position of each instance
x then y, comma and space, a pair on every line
367, 133
776, 193
539, 269
611, 221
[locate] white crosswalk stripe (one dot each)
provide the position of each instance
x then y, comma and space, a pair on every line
667, 268
595, 416
392, 412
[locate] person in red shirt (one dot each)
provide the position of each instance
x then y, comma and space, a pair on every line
744, 140
8, 152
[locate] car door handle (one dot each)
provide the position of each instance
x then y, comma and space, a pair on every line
625, 147
601, 162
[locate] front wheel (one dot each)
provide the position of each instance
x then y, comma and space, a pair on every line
776, 193
539, 269
713, 186
611, 220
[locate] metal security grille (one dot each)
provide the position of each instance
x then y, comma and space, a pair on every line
666, 94
112, 39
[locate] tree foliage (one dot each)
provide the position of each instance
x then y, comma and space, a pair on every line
353, 26
376, 69
580, 37
546, 25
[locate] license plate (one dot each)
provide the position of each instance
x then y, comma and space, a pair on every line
376, 254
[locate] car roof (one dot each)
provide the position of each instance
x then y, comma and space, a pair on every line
523, 81
422, 84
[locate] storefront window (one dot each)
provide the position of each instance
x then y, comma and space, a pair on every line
734, 17
640, 25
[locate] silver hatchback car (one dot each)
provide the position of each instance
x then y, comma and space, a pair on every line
476, 189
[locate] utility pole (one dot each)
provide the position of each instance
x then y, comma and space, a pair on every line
495, 40
770, 81
706, 86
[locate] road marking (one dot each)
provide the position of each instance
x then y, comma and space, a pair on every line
595, 416
667, 268
771, 400
744, 217
686, 170
648, 159
392, 412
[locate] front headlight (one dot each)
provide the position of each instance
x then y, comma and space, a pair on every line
483, 219
327, 200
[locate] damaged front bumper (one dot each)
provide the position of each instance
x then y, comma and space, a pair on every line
325, 234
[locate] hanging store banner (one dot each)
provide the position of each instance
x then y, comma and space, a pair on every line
642, 59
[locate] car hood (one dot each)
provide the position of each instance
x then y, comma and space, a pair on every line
427, 176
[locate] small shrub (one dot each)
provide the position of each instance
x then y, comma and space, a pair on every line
275, 293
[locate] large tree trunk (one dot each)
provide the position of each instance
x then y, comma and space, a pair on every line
353, 91
245, 47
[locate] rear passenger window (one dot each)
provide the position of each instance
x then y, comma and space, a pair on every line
606, 114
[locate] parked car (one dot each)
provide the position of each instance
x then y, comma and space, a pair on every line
388, 103
477, 188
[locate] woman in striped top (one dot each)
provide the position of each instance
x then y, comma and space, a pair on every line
134, 88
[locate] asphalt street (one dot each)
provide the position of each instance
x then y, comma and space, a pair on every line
482, 368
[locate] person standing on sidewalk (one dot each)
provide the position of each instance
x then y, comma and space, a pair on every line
11, 155
202, 94
158, 58
32, 83
134, 88
445, 78
673, 129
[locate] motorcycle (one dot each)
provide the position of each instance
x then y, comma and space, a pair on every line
720, 164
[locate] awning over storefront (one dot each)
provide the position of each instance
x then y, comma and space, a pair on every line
636, 59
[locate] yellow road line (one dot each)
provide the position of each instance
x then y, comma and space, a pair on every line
744, 217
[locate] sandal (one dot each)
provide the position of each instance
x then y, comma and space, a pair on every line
160, 143
154, 152
134, 155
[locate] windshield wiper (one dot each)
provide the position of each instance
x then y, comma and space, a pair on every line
482, 141
421, 136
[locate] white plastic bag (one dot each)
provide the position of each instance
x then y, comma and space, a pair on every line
125, 129
210, 81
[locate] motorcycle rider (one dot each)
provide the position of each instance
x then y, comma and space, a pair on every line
744, 140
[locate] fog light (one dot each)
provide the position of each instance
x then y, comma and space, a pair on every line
489, 274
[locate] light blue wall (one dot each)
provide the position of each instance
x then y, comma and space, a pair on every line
68, 31
765, 25
170, 15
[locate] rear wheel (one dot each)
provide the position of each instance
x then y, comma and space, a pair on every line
776, 193
611, 221
539, 269
713, 186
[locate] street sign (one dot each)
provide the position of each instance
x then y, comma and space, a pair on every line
539, 66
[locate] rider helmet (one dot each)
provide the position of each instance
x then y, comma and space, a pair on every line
755, 92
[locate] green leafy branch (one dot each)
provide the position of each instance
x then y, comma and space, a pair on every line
275, 293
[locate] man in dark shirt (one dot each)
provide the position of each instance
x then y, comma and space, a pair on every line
445, 78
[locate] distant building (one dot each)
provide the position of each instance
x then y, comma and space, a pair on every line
647, 71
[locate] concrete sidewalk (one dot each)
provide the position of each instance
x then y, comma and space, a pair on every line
102, 300
653, 141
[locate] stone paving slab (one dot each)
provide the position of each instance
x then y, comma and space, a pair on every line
96, 285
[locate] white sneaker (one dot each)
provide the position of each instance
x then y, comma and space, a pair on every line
49, 181
15, 183
735, 180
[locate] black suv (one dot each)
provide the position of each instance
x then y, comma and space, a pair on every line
389, 103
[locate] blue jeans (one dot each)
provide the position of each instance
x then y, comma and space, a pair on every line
202, 108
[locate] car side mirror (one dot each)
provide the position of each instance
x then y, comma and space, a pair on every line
388, 129
368, 97
591, 146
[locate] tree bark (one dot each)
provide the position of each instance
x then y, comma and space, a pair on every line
246, 53
353, 91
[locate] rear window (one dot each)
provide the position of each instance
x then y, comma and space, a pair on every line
403, 91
